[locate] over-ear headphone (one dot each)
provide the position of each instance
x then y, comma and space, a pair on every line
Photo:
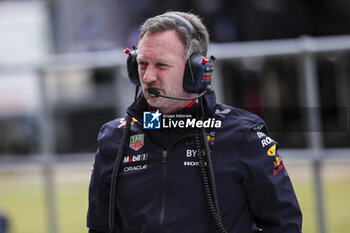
198, 71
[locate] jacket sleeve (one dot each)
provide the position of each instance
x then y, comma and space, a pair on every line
266, 182
97, 217
99, 188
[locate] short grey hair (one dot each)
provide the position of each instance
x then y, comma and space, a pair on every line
161, 23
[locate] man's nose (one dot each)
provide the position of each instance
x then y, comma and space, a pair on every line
150, 74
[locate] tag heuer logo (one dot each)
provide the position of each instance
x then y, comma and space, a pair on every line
136, 141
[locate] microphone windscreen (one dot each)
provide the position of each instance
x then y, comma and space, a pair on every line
153, 92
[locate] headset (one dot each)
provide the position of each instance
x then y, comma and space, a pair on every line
198, 71
198, 74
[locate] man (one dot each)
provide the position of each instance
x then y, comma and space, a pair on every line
230, 179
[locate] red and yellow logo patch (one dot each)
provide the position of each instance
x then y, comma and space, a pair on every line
123, 122
278, 162
272, 151
210, 138
277, 165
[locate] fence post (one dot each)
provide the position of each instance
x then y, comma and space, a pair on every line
314, 130
47, 153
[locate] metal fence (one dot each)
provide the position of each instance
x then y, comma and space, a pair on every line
306, 48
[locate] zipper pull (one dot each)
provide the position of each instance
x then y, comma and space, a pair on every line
164, 156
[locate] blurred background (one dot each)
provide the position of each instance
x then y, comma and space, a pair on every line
62, 75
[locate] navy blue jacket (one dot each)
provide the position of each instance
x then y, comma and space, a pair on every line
160, 189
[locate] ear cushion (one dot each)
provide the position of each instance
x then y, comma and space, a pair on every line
198, 74
132, 67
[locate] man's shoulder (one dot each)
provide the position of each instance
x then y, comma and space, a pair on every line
113, 122
110, 135
115, 126
113, 129
111, 126
238, 117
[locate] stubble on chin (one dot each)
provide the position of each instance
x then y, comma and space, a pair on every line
165, 105
154, 102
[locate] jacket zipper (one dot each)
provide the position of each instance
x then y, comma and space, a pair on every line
162, 209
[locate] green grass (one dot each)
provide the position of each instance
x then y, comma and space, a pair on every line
305, 194
336, 187
24, 206
338, 203
72, 207
22, 199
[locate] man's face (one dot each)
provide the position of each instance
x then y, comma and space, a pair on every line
161, 64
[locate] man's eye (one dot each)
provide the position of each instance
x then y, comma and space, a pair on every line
162, 65
142, 65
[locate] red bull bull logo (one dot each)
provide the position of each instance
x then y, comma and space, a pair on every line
278, 166
278, 161
209, 138
123, 122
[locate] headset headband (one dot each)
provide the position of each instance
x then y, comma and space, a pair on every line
184, 22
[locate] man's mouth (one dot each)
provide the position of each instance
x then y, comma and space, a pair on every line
155, 88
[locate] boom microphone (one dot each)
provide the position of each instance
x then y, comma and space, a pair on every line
155, 94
